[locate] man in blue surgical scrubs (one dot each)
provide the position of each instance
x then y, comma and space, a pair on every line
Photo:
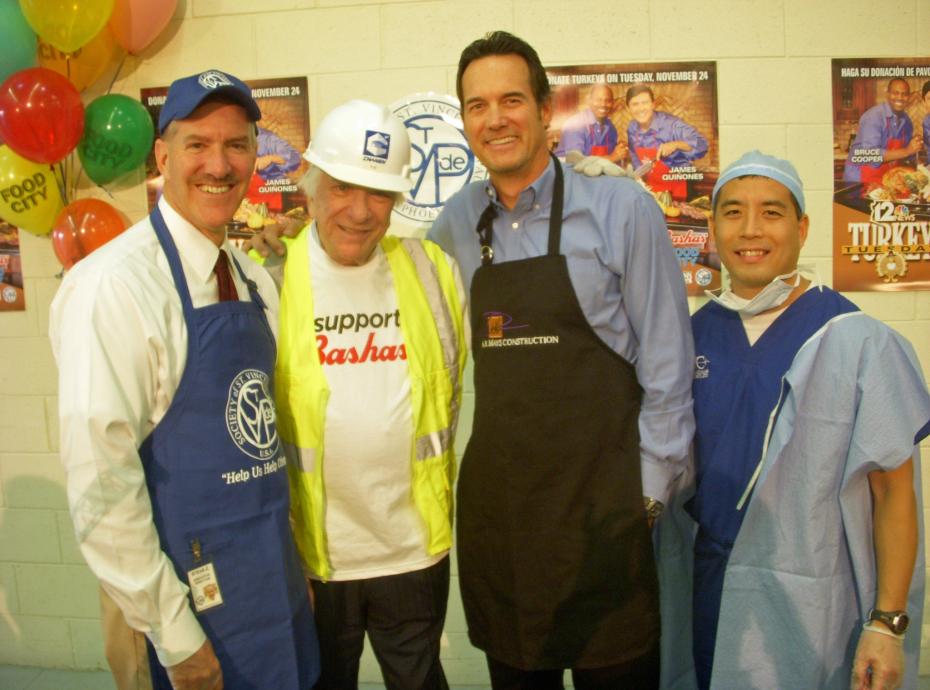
808, 557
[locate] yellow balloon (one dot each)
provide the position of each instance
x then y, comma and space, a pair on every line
29, 196
66, 24
85, 65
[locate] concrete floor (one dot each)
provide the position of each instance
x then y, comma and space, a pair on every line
32, 678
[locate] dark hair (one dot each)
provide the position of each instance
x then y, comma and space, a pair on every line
900, 79
797, 206
637, 89
925, 90
503, 43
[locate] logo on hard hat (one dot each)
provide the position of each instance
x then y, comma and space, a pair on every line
213, 80
441, 163
377, 146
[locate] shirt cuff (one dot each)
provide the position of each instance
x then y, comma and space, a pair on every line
657, 477
179, 639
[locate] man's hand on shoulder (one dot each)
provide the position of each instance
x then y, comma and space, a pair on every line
267, 241
200, 671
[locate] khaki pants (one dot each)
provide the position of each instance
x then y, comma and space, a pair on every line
124, 648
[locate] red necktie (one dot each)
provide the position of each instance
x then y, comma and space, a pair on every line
224, 281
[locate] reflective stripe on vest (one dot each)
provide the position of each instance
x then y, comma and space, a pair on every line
433, 332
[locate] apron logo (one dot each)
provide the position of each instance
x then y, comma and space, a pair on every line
250, 416
499, 322
701, 367
495, 326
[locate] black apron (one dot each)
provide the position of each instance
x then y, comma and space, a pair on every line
555, 557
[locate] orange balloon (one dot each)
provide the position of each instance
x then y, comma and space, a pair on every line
83, 226
86, 64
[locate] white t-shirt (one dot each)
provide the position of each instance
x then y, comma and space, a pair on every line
372, 525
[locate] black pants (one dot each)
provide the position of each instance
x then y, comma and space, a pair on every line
403, 616
641, 673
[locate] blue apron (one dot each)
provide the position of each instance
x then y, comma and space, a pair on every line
215, 473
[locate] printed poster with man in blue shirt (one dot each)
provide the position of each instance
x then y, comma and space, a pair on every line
658, 120
881, 172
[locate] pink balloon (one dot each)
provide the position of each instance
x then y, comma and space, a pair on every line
136, 23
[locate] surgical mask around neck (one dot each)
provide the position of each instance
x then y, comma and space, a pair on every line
771, 296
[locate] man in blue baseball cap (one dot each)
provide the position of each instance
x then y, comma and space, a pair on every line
165, 342
806, 562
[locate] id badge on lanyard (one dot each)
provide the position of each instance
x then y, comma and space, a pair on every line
205, 588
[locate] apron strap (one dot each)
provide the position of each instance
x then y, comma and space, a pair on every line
253, 288
555, 212
174, 260
485, 227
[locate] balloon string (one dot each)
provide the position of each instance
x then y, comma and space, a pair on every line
116, 74
59, 174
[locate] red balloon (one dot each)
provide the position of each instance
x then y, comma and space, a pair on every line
41, 114
83, 226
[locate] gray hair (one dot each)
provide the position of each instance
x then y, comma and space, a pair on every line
311, 179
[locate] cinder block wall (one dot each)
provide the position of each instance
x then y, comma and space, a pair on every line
774, 94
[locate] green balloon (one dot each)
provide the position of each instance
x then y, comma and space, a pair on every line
118, 135
17, 41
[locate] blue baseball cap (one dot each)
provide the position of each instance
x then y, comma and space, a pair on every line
763, 165
184, 95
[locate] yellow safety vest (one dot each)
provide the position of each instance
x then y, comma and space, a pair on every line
434, 340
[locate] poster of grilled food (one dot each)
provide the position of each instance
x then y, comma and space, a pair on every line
659, 121
11, 269
283, 136
881, 174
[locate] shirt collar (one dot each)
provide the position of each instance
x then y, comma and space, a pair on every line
540, 188
195, 248
888, 112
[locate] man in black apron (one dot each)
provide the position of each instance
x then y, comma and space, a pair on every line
175, 470
583, 361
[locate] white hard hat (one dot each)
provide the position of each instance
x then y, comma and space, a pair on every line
363, 143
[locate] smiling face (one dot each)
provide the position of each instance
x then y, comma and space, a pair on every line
601, 102
641, 108
350, 219
505, 126
207, 160
758, 233
898, 94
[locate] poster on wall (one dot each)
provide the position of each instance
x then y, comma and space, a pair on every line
660, 119
11, 270
283, 136
881, 174
441, 162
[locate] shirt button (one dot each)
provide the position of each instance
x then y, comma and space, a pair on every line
515, 226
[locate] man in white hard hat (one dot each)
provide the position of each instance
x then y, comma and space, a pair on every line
372, 348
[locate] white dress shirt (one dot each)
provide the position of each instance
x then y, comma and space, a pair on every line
119, 337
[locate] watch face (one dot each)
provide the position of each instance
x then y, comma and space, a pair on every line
897, 621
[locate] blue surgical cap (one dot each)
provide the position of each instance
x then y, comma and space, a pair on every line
763, 165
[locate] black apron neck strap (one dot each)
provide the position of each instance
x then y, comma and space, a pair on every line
485, 227
555, 212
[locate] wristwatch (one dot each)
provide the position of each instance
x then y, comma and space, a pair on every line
896, 621
653, 507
